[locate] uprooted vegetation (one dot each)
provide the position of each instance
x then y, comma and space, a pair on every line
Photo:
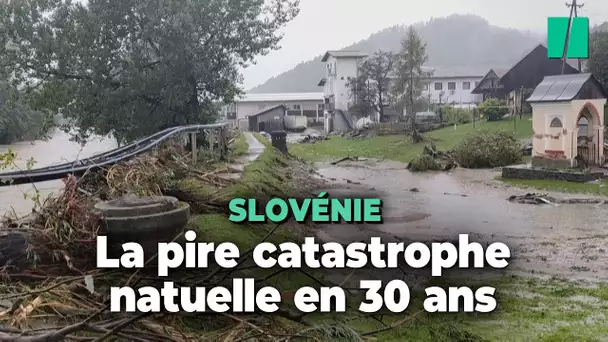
432, 160
483, 149
49, 259
63, 297
58, 294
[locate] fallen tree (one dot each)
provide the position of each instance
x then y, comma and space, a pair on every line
432, 160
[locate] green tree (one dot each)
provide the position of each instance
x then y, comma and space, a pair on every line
369, 91
129, 68
597, 64
18, 121
493, 109
410, 76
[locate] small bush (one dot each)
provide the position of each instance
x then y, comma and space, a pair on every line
487, 149
424, 162
453, 115
493, 109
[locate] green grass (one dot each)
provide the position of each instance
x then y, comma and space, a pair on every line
559, 186
400, 148
268, 176
529, 309
239, 147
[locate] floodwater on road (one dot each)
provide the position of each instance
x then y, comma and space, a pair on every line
56, 150
569, 239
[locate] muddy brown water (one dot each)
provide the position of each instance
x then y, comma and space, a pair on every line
568, 240
56, 150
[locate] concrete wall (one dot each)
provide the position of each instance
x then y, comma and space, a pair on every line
553, 142
561, 142
534, 173
340, 122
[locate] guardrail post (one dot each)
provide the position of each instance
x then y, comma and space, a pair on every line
194, 148
223, 142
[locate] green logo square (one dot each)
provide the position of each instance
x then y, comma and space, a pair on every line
578, 44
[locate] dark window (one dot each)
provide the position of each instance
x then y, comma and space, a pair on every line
466, 85
583, 127
438, 85
556, 123
321, 106
231, 115
451, 85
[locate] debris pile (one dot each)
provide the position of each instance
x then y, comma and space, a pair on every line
532, 198
312, 138
432, 160
53, 291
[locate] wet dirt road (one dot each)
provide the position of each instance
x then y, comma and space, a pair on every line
567, 240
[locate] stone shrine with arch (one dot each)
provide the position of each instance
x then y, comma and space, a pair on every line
568, 122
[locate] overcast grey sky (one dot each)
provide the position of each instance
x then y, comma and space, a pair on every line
333, 24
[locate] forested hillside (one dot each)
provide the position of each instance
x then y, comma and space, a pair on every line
457, 40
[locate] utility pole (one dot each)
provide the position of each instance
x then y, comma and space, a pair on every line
573, 13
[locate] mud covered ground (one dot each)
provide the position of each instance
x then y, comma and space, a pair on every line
567, 240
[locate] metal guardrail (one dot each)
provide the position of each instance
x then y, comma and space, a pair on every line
105, 159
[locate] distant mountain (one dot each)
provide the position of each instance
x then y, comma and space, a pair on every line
455, 41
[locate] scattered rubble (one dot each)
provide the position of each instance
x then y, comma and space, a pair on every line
534, 198
311, 139
451, 194
360, 159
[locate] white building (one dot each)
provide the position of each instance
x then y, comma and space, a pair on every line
446, 85
454, 85
339, 67
300, 104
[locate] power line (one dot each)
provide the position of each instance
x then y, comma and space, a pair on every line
573, 13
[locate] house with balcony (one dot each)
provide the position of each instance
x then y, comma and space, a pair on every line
339, 67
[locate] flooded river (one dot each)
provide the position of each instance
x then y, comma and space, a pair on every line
56, 150
569, 239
